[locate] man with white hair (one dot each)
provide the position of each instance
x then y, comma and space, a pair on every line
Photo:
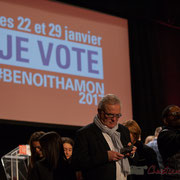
97, 146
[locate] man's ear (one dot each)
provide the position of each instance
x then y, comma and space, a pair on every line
99, 112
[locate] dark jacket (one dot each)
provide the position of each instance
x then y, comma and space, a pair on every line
169, 147
144, 165
70, 172
41, 171
90, 153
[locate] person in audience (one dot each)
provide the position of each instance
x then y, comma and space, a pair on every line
145, 160
153, 144
68, 145
169, 142
35, 148
51, 167
97, 146
149, 139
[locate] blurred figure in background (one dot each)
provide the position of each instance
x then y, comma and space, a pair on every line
35, 148
149, 139
145, 157
169, 142
153, 144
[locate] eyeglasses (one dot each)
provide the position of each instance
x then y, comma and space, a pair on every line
109, 115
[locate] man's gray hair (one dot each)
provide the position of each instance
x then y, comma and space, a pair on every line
109, 99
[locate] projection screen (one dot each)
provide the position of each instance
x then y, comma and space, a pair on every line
57, 61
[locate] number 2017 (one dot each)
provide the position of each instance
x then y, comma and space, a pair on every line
88, 98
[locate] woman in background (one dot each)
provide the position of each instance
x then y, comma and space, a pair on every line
145, 161
68, 145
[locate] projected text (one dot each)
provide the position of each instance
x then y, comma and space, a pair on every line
89, 91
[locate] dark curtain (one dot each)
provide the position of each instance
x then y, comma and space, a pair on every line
155, 71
